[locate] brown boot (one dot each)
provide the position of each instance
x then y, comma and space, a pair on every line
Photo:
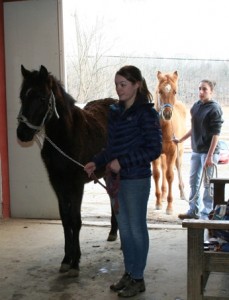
133, 288
187, 216
122, 283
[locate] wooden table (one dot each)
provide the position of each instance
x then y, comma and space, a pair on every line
202, 263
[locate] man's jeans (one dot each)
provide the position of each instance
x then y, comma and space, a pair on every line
196, 172
133, 199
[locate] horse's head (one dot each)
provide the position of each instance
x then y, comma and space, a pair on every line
166, 94
37, 103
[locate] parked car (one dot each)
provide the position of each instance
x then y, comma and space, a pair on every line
224, 152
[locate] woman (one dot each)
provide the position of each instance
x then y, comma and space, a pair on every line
134, 140
206, 123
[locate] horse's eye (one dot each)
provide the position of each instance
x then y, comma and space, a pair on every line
43, 98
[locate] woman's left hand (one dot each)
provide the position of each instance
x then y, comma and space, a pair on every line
209, 161
115, 166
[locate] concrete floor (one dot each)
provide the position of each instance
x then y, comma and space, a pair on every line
31, 252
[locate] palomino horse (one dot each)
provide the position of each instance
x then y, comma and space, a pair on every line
173, 123
72, 137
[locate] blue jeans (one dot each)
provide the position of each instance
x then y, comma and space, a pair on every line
133, 198
196, 170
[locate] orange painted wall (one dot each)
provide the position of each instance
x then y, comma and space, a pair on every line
3, 124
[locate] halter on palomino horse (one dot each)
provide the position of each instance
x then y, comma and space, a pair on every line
173, 123
77, 133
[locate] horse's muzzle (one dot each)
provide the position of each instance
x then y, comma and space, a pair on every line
24, 133
166, 114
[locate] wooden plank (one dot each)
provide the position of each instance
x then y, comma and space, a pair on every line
208, 224
216, 261
219, 180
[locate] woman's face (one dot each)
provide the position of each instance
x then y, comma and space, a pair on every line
205, 92
126, 90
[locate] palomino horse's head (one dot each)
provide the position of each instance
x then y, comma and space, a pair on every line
37, 103
166, 94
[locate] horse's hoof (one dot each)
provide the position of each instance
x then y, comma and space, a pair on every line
158, 207
112, 237
169, 211
73, 273
64, 268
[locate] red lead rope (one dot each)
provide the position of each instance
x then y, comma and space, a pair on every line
112, 185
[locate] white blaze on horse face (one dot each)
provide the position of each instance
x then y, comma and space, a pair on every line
168, 88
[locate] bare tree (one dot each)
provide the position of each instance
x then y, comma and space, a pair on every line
90, 71
91, 68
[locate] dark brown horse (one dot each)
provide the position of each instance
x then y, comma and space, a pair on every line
173, 123
72, 134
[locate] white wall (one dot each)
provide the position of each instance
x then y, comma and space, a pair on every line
32, 38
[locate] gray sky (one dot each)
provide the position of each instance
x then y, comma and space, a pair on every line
178, 28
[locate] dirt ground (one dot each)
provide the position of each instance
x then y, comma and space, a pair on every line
31, 252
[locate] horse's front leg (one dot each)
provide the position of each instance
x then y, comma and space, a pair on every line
76, 223
70, 262
65, 214
179, 161
76, 253
164, 187
170, 178
70, 212
156, 164
64, 202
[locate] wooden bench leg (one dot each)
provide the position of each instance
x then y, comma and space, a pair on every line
195, 264
219, 193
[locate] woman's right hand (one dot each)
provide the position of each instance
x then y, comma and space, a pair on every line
89, 168
176, 140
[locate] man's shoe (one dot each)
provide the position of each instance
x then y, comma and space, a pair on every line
133, 288
187, 216
122, 283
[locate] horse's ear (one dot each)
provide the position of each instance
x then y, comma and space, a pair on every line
43, 72
158, 74
175, 74
24, 72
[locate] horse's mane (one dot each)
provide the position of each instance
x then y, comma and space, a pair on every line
65, 103
59, 90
